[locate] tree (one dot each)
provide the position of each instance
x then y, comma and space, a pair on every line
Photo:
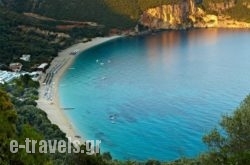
5, 103
107, 156
8, 119
83, 158
153, 162
231, 145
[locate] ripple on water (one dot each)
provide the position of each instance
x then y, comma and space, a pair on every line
160, 94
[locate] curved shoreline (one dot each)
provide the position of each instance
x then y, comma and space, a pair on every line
49, 100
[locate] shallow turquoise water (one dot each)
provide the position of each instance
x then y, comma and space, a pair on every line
156, 96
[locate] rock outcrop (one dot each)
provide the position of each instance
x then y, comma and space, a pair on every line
228, 22
187, 14
247, 4
222, 6
178, 16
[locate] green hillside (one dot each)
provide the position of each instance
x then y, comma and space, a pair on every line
121, 14
21, 34
21, 119
14, 43
112, 13
19, 116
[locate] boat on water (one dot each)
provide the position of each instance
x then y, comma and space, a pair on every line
112, 118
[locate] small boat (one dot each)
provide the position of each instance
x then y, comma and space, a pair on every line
111, 117
97, 61
68, 108
101, 63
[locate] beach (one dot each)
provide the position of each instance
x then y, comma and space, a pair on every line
49, 100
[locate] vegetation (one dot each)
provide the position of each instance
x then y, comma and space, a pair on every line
24, 120
230, 144
233, 145
81, 10
23, 91
121, 14
8, 118
20, 34
14, 42
19, 116
239, 12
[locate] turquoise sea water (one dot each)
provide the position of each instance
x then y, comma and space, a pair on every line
156, 96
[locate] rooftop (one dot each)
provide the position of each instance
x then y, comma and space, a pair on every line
42, 66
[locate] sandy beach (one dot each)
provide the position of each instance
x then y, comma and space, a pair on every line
48, 93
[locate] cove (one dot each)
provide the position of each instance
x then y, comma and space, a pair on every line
155, 96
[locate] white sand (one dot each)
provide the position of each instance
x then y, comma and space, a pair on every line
52, 105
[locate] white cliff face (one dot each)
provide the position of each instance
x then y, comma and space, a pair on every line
177, 16
166, 16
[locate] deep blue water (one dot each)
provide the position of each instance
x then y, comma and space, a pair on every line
164, 91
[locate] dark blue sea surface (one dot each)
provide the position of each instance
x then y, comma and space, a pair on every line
155, 96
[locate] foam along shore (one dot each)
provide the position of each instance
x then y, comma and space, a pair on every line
48, 92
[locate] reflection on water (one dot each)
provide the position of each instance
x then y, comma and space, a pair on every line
166, 91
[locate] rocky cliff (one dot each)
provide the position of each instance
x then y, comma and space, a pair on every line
222, 6
187, 14
176, 16
156, 14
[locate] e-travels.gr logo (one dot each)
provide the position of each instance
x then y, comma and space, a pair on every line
61, 146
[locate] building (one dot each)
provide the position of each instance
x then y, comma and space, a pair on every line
42, 67
36, 76
16, 67
25, 57
6, 77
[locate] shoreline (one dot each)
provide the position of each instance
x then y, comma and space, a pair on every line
49, 100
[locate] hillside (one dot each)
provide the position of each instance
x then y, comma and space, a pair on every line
41, 38
194, 14
81, 10
42, 28
21, 119
124, 14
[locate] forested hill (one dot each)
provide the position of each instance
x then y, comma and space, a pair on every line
42, 38
120, 13
111, 13
83, 10
20, 34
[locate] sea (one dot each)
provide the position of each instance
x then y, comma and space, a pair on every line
156, 96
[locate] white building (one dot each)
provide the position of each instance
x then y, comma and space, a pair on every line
42, 67
16, 67
6, 77
25, 57
36, 76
